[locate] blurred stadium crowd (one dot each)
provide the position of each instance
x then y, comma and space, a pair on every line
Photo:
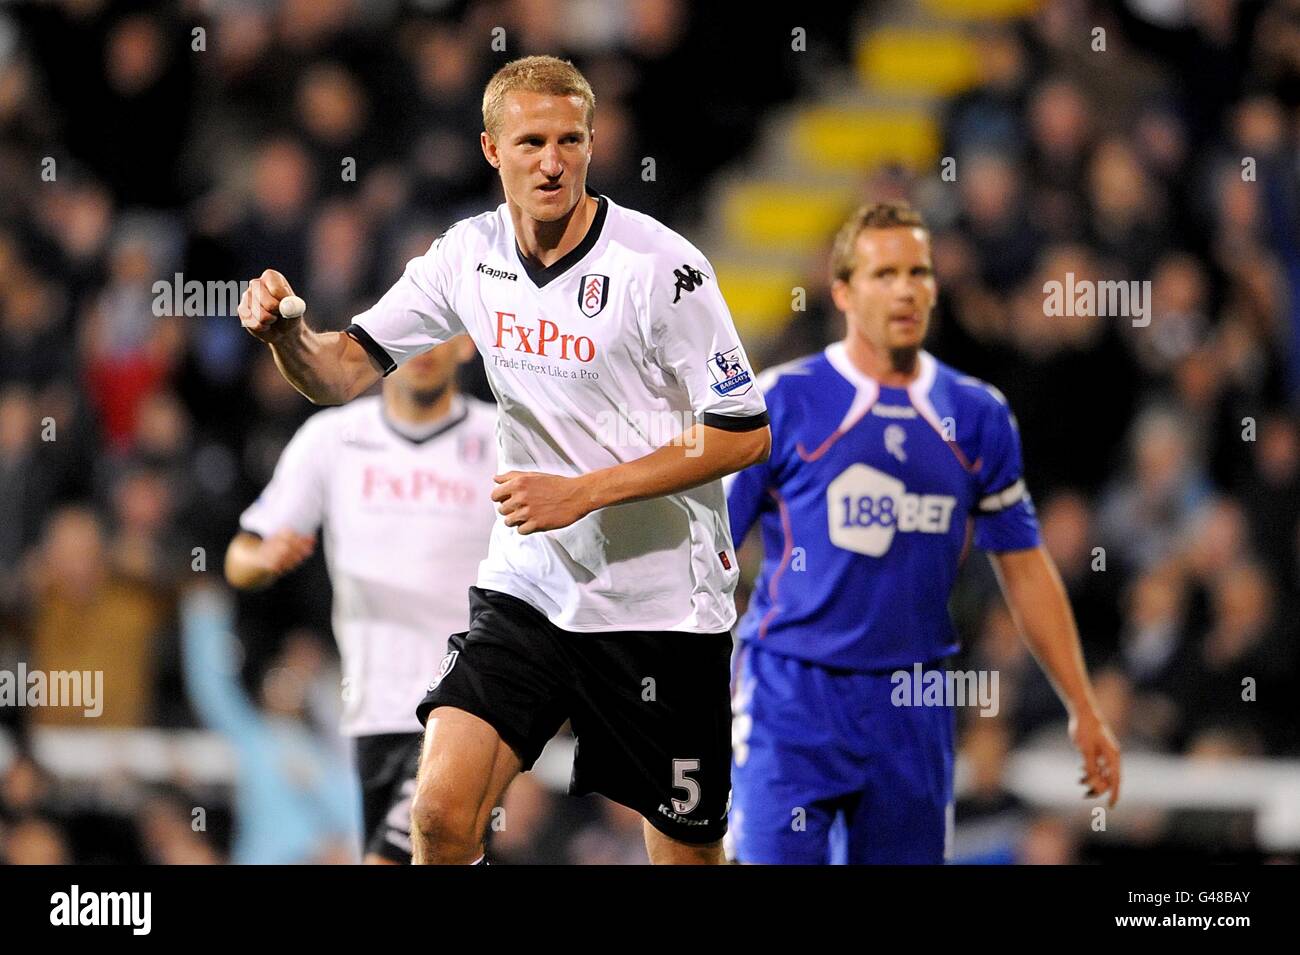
130, 441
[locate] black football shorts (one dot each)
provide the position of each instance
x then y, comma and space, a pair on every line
387, 764
651, 709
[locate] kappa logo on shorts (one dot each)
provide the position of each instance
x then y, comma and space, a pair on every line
444, 668
593, 293
680, 819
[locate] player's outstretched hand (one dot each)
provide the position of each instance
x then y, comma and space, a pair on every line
260, 308
533, 501
1095, 742
284, 550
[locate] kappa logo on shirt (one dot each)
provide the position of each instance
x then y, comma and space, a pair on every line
593, 293
730, 376
687, 279
497, 273
353, 440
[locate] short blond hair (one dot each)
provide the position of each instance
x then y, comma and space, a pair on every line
535, 74
871, 215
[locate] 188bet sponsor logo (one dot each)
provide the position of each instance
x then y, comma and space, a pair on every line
866, 507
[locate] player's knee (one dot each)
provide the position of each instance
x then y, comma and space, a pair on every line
445, 829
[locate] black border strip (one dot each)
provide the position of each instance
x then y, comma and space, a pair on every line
372, 347
726, 422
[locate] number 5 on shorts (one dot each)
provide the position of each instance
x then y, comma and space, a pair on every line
681, 781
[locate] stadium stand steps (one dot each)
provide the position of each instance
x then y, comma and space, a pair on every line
769, 221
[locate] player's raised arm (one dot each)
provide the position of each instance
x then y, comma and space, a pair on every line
328, 368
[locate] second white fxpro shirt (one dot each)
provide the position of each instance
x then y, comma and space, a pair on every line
406, 524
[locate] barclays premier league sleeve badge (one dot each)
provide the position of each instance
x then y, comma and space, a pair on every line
730, 376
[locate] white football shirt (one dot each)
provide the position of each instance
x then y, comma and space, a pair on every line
406, 524
595, 360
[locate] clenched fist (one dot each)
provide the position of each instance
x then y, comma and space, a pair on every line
534, 501
259, 309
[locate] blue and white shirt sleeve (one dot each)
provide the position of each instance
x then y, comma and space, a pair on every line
747, 493
748, 490
1004, 512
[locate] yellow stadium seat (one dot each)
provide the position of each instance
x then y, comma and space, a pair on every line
839, 139
773, 215
932, 62
760, 299
981, 9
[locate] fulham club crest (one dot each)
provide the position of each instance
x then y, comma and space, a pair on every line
444, 668
593, 293
471, 448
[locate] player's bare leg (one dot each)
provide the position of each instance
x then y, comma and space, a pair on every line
665, 850
465, 768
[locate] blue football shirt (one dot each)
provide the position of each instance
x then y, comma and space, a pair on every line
867, 506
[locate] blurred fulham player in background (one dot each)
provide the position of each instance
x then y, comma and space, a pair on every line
607, 595
400, 484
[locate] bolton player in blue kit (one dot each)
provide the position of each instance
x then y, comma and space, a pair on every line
883, 461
